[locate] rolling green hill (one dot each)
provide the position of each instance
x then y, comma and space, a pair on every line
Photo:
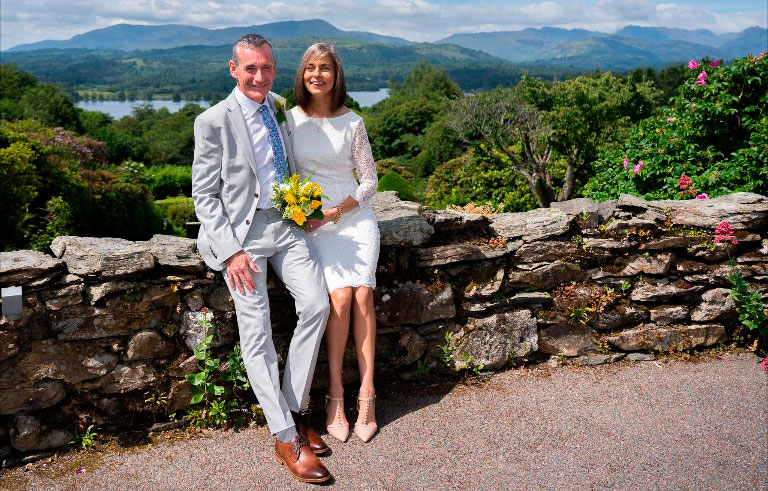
200, 72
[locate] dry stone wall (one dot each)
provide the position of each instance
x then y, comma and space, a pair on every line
108, 322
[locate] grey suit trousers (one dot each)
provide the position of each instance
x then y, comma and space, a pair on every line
290, 253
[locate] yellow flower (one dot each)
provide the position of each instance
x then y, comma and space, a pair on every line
298, 216
315, 204
290, 198
303, 199
295, 180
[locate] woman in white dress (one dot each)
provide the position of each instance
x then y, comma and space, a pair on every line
328, 141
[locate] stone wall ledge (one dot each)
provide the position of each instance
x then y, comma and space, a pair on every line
107, 321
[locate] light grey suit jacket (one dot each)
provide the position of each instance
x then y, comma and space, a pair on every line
225, 188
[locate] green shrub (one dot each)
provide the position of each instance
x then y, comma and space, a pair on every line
716, 134
170, 180
475, 178
177, 211
392, 181
18, 189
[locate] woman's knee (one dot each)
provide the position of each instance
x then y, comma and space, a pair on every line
363, 297
341, 299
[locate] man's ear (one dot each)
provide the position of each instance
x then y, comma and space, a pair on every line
232, 68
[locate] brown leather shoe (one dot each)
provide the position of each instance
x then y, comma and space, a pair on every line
300, 460
316, 442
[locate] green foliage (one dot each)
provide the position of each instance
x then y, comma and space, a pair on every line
438, 145
749, 304
396, 125
422, 370
170, 180
392, 181
87, 440
478, 178
446, 350
216, 389
23, 97
178, 211
428, 81
70, 190
716, 134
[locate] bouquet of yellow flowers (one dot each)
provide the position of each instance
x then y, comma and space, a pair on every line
298, 200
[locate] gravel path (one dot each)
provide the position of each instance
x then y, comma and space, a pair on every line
649, 425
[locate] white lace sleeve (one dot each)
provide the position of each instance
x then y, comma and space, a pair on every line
364, 165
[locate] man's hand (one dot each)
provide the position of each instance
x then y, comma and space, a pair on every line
239, 268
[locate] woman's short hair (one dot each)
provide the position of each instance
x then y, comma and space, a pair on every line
339, 92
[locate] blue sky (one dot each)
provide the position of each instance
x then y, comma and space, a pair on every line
25, 21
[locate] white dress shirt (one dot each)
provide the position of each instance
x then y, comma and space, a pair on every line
262, 151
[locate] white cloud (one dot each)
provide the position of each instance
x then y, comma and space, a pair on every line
22, 21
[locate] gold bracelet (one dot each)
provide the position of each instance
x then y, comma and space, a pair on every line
339, 212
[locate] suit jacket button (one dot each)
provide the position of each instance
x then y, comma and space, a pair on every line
255, 195
247, 222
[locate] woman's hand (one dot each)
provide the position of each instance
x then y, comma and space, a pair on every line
315, 223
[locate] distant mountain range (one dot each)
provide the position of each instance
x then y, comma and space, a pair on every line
487, 57
130, 37
632, 46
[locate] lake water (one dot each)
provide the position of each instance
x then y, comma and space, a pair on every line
118, 109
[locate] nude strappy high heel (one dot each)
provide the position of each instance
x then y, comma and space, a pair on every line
365, 430
338, 430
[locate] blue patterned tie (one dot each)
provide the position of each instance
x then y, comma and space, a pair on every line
281, 165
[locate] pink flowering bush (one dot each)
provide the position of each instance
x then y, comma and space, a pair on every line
724, 233
764, 364
714, 133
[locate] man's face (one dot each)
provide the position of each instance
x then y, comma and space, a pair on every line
254, 72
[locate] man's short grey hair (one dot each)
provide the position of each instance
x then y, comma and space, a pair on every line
250, 41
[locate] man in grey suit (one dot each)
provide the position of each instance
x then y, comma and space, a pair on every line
239, 154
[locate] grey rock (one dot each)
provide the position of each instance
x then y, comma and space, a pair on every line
594, 360
88, 322
652, 337
176, 252
186, 367
640, 357
453, 253
662, 290
484, 288
410, 347
179, 396
21, 267
609, 244
656, 264
400, 222
11, 341
413, 303
106, 257
716, 304
670, 243
50, 359
32, 309
194, 299
145, 345
222, 327
101, 290
537, 224
63, 297
451, 221
491, 341
584, 210
29, 434
570, 340
548, 275
220, 299
606, 209
623, 315
633, 223
522, 299
744, 211
547, 250
43, 394
664, 315
124, 378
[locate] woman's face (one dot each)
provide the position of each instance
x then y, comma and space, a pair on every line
320, 75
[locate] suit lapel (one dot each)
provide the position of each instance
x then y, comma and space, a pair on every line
239, 128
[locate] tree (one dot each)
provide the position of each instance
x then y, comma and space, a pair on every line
532, 124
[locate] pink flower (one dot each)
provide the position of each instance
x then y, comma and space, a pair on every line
79, 471
671, 119
204, 309
700, 82
638, 167
693, 64
702, 196
715, 63
702, 75
724, 233
764, 364
685, 182
626, 162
